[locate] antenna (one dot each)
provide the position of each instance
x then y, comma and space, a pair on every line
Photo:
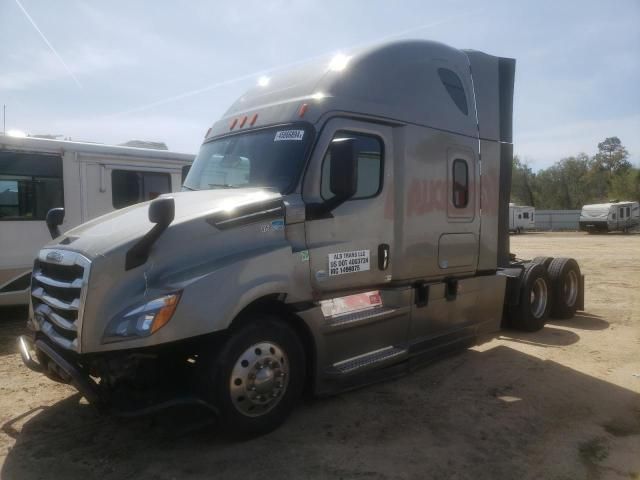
4, 119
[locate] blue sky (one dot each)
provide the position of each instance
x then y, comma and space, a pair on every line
166, 70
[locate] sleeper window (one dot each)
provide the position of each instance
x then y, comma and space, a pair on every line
460, 183
129, 187
369, 151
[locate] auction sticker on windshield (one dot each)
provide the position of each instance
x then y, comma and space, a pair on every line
289, 135
348, 262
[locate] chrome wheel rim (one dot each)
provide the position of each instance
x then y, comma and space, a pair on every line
570, 288
538, 297
259, 379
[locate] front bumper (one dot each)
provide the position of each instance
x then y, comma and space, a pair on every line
42, 357
48, 361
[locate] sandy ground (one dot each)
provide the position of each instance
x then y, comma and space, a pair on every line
562, 403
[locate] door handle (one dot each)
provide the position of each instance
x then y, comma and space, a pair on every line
383, 256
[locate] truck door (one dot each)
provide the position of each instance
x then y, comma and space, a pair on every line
349, 248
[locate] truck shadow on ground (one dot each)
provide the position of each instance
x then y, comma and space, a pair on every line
498, 413
582, 321
13, 322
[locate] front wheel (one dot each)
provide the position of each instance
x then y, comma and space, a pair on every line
257, 377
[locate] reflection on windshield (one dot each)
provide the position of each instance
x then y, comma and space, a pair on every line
269, 158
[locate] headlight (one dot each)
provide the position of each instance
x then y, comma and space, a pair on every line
143, 320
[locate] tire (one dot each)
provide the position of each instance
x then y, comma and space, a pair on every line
564, 274
257, 377
544, 261
534, 304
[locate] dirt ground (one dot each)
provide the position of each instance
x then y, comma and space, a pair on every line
562, 403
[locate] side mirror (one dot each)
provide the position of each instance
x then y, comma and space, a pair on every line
162, 211
343, 180
54, 219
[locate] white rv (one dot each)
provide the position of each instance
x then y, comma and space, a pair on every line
521, 218
88, 180
610, 217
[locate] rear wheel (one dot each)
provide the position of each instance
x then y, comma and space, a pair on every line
544, 261
534, 303
257, 377
564, 274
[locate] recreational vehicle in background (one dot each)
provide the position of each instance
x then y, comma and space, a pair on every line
521, 218
610, 217
87, 180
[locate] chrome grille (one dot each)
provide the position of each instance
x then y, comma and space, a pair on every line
58, 292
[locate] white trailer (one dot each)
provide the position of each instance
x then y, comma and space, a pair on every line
610, 217
88, 180
521, 218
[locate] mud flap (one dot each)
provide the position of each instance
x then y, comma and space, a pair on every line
580, 300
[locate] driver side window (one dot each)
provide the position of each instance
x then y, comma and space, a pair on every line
369, 151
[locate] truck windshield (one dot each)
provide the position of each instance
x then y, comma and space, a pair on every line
269, 158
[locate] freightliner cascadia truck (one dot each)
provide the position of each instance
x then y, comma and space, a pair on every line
342, 223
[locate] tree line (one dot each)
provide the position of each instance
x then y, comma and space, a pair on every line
579, 180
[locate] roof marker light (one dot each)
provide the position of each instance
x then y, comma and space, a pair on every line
303, 109
318, 96
233, 124
253, 119
243, 121
263, 81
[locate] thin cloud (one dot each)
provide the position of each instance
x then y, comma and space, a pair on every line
53, 50
257, 74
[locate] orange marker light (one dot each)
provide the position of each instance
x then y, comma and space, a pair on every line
253, 119
303, 109
244, 120
165, 313
233, 124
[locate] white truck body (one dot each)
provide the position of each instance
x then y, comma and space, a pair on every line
88, 180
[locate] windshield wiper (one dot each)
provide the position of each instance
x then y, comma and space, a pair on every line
189, 188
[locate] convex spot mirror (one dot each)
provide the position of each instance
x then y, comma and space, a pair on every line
343, 178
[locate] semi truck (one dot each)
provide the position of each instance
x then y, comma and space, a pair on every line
86, 179
343, 223
610, 217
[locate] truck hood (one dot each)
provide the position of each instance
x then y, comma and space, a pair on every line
117, 228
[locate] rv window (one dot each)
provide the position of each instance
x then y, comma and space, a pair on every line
454, 87
30, 185
369, 151
628, 211
129, 187
460, 183
525, 215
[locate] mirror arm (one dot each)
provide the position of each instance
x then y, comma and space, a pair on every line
317, 211
139, 253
